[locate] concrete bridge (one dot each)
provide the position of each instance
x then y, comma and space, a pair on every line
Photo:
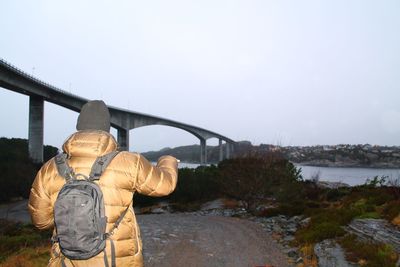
14, 79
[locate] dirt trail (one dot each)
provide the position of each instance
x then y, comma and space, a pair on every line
200, 241
189, 240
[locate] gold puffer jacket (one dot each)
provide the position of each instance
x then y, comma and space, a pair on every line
126, 174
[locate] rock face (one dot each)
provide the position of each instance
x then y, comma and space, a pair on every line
376, 230
17, 211
330, 254
159, 208
331, 185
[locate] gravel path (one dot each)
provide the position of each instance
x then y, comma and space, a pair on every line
199, 241
189, 240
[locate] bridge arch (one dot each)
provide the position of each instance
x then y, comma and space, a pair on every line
203, 141
123, 120
155, 137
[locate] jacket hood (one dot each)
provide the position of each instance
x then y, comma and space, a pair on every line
94, 115
89, 143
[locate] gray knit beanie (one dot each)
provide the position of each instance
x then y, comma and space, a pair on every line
94, 115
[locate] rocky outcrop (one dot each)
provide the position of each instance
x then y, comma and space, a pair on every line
331, 185
282, 229
376, 230
16, 211
330, 254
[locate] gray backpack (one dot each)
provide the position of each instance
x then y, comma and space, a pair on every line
79, 214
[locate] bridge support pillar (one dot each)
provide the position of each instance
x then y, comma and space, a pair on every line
123, 139
203, 152
231, 149
228, 150
35, 132
221, 150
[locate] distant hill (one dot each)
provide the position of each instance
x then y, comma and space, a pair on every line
191, 153
17, 171
185, 153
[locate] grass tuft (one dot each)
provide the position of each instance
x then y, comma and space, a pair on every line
369, 253
22, 242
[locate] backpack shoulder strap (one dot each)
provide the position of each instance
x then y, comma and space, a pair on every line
111, 232
100, 164
63, 168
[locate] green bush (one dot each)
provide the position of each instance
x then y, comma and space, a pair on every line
336, 194
376, 181
320, 231
327, 223
198, 184
194, 185
369, 215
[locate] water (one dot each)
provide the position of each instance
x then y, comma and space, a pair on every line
351, 176
188, 165
184, 165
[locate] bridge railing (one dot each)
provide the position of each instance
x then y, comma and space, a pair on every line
29, 76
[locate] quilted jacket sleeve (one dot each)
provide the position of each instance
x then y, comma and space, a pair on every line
40, 206
159, 180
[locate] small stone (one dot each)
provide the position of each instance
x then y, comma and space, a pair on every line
288, 238
292, 253
305, 222
276, 236
277, 228
158, 211
362, 262
291, 229
299, 260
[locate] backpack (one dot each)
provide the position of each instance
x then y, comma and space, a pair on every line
79, 213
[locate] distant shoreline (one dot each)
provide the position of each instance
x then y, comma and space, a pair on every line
341, 156
346, 165
322, 165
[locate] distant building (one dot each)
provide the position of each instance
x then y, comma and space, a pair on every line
367, 147
328, 148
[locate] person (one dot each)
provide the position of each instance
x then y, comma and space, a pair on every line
126, 174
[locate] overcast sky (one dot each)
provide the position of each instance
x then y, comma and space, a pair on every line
280, 72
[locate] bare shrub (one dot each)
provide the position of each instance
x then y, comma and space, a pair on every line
315, 177
394, 186
259, 176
